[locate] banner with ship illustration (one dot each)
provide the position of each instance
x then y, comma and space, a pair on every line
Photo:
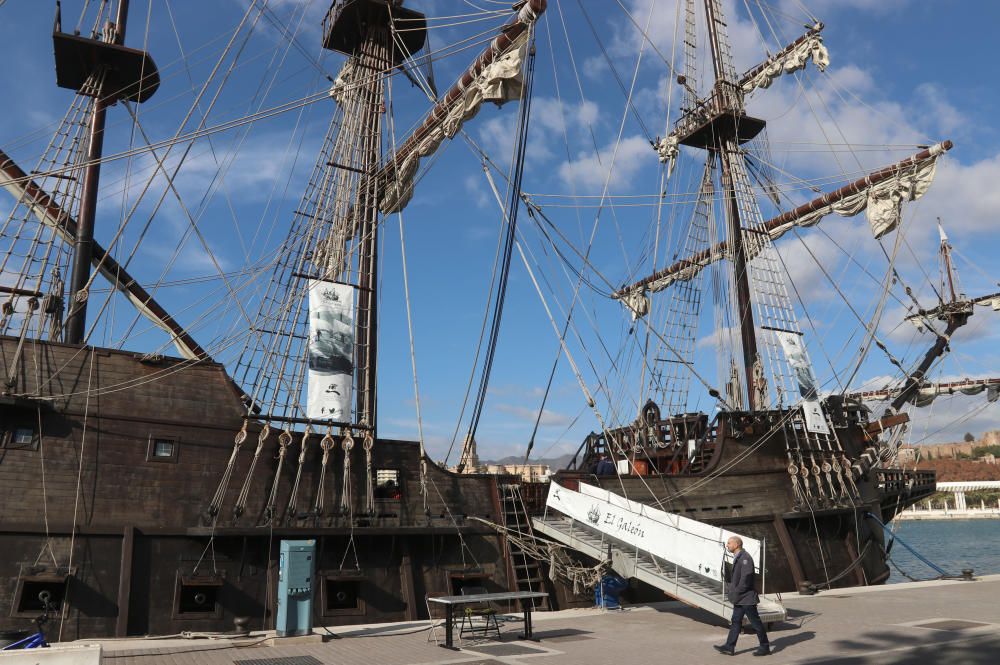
694, 545
795, 353
331, 351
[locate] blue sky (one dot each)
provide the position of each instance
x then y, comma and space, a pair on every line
904, 73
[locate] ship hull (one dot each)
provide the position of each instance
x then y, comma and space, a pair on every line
743, 483
124, 540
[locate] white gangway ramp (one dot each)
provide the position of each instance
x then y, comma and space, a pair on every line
683, 557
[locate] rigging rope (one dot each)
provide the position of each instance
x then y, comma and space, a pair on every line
513, 205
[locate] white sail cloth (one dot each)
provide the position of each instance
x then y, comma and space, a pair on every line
667, 150
811, 48
883, 201
345, 77
926, 394
499, 82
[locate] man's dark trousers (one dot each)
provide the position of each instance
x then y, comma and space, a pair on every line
758, 626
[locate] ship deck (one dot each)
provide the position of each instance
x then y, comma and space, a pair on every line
923, 622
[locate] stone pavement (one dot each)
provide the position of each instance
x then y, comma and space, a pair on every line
924, 623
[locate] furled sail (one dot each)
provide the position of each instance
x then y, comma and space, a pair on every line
881, 193
883, 200
928, 392
495, 76
790, 60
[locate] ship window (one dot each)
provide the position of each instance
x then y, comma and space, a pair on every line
19, 438
342, 596
197, 597
29, 599
162, 449
387, 484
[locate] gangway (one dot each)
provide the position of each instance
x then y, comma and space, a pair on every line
682, 557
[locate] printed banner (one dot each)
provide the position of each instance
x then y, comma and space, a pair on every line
691, 544
331, 351
795, 353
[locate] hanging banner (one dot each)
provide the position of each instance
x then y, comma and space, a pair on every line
795, 353
331, 351
694, 545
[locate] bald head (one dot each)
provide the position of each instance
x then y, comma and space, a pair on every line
734, 544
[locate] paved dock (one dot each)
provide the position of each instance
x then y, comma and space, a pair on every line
925, 623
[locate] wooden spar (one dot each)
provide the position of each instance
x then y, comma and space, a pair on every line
51, 214
746, 78
719, 250
955, 321
861, 184
942, 388
509, 32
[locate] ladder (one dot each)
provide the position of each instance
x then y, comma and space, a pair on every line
687, 586
529, 573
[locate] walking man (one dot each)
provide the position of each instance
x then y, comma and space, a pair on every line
744, 598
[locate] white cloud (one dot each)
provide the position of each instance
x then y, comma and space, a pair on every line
623, 162
528, 414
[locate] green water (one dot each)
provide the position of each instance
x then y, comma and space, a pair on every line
951, 544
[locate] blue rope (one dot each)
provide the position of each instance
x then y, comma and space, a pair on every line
894, 537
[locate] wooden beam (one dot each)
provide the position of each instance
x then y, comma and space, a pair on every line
125, 581
788, 546
510, 31
406, 577
716, 252
49, 213
815, 30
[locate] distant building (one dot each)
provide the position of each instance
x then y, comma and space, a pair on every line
947, 450
469, 462
908, 455
991, 438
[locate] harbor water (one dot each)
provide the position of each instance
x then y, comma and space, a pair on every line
951, 544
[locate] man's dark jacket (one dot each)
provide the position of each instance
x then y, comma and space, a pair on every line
741, 586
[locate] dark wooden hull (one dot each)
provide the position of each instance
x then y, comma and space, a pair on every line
131, 535
125, 541
832, 544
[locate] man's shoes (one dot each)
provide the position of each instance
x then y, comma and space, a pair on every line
762, 651
722, 648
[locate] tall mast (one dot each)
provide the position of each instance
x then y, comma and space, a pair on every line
729, 100
362, 30
76, 322
107, 71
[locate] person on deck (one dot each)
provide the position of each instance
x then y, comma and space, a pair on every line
605, 467
744, 598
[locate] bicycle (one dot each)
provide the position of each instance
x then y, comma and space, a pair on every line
37, 640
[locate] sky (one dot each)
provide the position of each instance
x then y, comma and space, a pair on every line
903, 74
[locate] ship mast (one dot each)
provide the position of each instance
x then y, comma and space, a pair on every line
362, 31
729, 100
83, 245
